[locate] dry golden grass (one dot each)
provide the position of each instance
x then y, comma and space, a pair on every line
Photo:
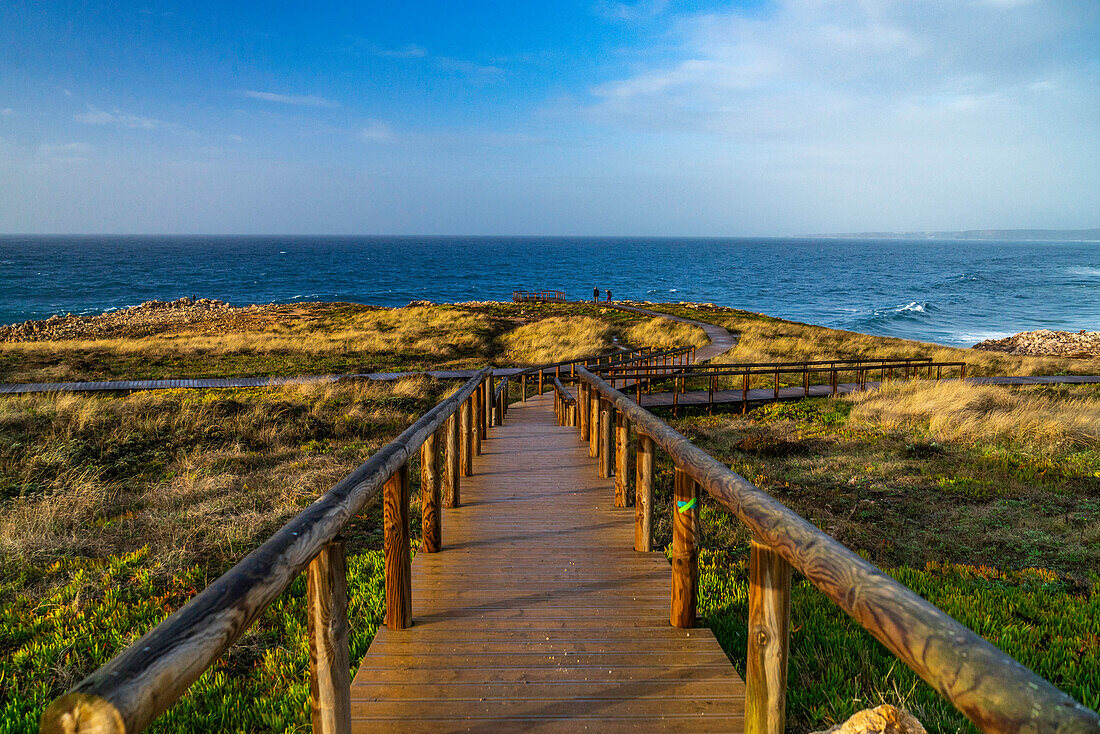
961, 412
556, 339
766, 339
666, 333
199, 476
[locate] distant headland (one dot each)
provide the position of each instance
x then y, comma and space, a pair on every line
1048, 235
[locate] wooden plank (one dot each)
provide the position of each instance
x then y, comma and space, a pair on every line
327, 614
539, 612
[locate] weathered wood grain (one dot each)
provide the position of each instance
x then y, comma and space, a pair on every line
539, 614
465, 440
395, 508
146, 678
643, 495
431, 492
994, 691
452, 473
685, 556
769, 638
327, 625
622, 460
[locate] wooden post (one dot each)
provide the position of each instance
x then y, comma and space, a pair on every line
769, 636
466, 444
396, 549
475, 424
777, 383
685, 557
523, 387
327, 623
488, 397
582, 409
594, 423
833, 379
452, 495
806, 380
622, 459
643, 495
479, 401
607, 446
745, 393
540, 380
431, 492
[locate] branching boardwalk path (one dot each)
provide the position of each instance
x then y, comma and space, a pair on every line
539, 615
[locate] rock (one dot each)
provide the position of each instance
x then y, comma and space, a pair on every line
884, 719
419, 304
1046, 342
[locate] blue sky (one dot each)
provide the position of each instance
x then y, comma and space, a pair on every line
599, 117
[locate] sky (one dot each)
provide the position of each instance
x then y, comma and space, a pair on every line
648, 118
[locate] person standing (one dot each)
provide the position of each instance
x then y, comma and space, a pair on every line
608, 291
596, 294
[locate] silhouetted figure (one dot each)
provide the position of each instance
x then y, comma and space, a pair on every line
595, 295
608, 295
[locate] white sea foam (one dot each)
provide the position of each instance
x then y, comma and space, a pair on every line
1085, 271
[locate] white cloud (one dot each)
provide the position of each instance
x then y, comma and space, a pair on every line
806, 66
290, 99
468, 68
7, 112
64, 152
376, 131
640, 10
96, 116
235, 138
408, 51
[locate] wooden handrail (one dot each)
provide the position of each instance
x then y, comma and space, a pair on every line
142, 681
803, 363
991, 688
706, 371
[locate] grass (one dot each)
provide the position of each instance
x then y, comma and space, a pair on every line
667, 334
312, 339
556, 339
119, 509
114, 510
984, 500
768, 339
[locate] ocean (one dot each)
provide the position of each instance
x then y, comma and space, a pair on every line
948, 292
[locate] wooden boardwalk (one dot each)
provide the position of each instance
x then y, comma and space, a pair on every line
767, 394
538, 614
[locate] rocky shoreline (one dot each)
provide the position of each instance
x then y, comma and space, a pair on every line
1046, 342
151, 317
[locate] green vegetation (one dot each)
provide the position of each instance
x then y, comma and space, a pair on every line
118, 509
984, 500
114, 510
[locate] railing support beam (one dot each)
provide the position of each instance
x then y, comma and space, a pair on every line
431, 493
395, 507
622, 459
452, 482
643, 495
466, 445
327, 623
607, 445
685, 557
769, 639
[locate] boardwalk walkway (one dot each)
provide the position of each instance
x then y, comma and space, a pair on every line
538, 614
767, 394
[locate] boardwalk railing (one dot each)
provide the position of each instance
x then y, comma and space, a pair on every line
992, 689
710, 378
146, 678
548, 296
641, 357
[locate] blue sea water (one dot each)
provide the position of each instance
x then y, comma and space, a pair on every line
950, 292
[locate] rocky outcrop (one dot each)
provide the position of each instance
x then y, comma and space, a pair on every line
149, 318
1047, 342
884, 719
